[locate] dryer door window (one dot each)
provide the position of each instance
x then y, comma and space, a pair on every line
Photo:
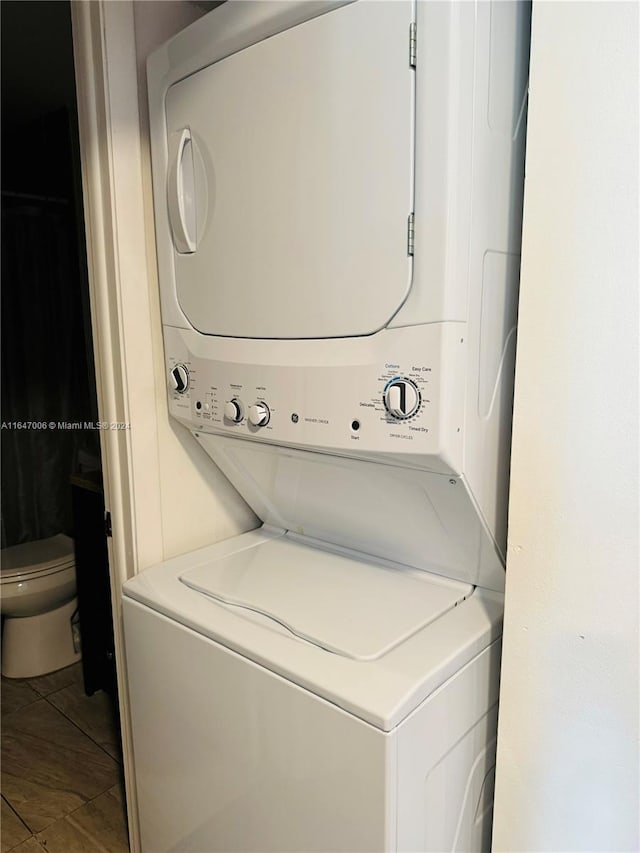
290, 179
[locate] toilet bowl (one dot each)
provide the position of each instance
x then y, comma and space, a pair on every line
38, 603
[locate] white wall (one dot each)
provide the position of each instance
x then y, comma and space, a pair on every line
198, 505
568, 758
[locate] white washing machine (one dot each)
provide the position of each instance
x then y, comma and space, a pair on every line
338, 196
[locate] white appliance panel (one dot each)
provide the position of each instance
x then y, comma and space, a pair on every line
471, 95
315, 395
381, 691
351, 607
300, 164
414, 518
270, 767
446, 758
273, 767
330, 396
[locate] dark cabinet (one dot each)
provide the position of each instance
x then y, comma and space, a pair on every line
94, 587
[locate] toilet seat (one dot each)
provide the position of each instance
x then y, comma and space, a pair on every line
37, 559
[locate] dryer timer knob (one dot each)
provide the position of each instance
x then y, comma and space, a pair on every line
179, 378
401, 398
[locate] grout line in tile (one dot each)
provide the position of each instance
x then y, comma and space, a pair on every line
82, 805
26, 826
80, 729
36, 698
79, 828
69, 814
47, 740
31, 837
55, 690
39, 694
7, 803
33, 834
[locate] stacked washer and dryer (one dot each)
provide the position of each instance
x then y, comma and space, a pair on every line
338, 198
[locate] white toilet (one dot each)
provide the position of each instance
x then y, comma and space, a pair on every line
39, 634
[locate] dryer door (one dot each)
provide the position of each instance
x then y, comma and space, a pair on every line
290, 179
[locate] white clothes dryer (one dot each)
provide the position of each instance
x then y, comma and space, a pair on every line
338, 196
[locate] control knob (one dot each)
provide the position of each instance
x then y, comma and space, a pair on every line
259, 414
234, 411
179, 378
401, 398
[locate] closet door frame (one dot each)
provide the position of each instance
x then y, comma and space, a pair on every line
113, 197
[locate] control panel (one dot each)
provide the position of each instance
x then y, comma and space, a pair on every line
408, 407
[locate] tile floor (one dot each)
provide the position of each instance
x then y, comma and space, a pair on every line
61, 783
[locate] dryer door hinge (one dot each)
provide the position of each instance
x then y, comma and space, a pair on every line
410, 234
107, 524
413, 45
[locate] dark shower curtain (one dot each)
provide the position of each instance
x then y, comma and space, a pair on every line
45, 380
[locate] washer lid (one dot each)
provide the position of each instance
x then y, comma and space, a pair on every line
41, 556
290, 179
342, 597
350, 606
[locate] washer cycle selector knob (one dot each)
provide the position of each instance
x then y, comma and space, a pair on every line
234, 411
401, 398
259, 414
179, 378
